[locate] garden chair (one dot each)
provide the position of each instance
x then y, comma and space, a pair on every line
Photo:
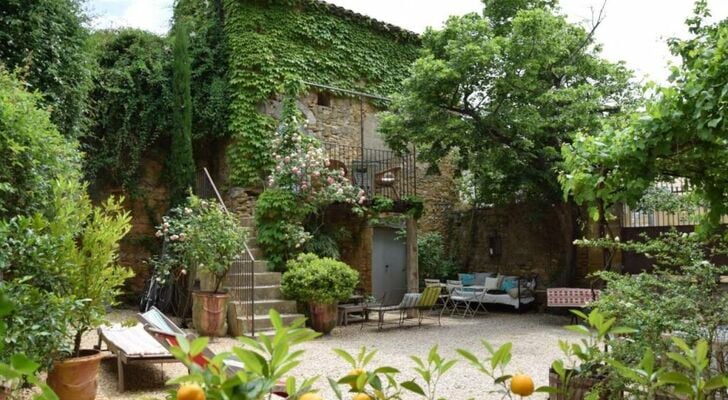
132, 345
478, 299
166, 332
407, 302
425, 303
442, 299
458, 298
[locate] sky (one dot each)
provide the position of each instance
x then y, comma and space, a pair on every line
633, 31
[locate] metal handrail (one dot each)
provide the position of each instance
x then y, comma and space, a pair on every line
248, 258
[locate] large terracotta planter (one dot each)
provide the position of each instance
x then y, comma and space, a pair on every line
579, 387
323, 317
4, 392
76, 378
209, 313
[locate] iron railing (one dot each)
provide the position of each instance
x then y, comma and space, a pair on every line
378, 172
240, 279
635, 218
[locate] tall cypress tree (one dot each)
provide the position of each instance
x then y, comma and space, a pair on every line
181, 164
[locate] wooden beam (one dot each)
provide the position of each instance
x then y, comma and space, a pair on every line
413, 273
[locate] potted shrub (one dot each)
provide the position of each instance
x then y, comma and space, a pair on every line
213, 240
93, 281
321, 283
588, 369
64, 265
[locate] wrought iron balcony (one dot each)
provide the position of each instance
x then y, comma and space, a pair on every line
380, 173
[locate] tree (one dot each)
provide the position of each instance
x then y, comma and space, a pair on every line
181, 165
46, 40
682, 132
502, 92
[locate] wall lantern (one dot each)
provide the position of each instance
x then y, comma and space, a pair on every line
495, 244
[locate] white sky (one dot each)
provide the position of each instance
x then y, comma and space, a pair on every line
633, 30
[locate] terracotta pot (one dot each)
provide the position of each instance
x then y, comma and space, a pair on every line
209, 313
323, 317
4, 392
76, 378
579, 387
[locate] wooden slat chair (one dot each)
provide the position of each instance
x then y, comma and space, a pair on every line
132, 345
426, 303
166, 333
442, 300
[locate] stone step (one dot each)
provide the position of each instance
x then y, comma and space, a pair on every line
263, 323
263, 306
262, 292
256, 252
261, 278
259, 266
252, 241
248, 222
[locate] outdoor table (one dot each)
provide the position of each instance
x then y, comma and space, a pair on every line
359, 312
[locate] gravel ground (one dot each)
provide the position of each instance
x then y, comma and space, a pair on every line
534, 337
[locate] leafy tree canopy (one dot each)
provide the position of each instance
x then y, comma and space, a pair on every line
504, 91
682, 131
46, 39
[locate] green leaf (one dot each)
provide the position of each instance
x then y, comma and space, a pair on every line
412, 386
198, 346
346, 356
23, 364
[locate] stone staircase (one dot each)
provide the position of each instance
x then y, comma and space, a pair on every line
267, 293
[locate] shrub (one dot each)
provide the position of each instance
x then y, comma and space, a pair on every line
311, 279
33, 152
215, 239
433, 260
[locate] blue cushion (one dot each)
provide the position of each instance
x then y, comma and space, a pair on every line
509, 284
467, 279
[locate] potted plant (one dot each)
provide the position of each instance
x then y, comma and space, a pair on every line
213, 240
587, 371
321, 283
88, 255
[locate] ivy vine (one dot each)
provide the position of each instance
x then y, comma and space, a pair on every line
269, 40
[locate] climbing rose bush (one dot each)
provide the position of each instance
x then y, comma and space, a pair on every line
302, 167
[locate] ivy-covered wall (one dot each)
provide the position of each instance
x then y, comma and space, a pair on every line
271, 41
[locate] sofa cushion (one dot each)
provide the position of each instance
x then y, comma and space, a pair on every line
490, 283
480, 278
466, 279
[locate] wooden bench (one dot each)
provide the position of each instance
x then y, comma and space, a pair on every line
352, 313
132, 345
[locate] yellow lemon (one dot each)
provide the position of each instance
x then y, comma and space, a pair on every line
355, 372
522, 385
362, 396
190, 391
310, 396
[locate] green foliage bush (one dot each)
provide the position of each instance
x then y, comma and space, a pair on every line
34, 154
279, 217
46, 39
310, 279
214, 239
130, 103
432, 257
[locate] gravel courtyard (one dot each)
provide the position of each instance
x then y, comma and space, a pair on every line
534, 337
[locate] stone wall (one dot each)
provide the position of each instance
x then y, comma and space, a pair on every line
147, 206
530, 242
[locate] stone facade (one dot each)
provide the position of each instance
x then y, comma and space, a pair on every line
530, 243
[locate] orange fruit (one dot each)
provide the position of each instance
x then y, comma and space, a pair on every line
355, 372
190, 391
362, 396
310, 396
522, 385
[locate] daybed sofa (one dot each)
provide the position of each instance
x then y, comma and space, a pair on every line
489, 288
